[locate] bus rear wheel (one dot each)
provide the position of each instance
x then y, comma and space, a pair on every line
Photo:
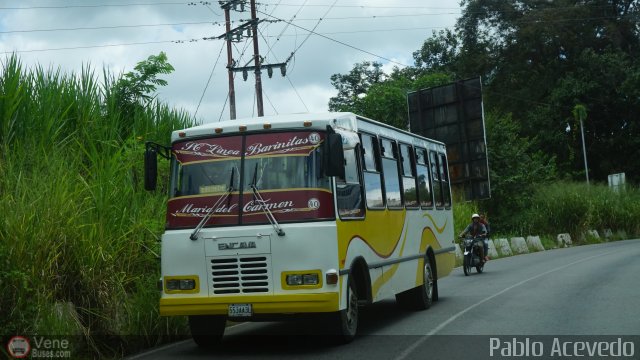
207, 330
421, 297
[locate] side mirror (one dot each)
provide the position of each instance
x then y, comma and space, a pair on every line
150, 168
334, 156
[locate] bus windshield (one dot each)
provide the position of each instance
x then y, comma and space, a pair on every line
285, 168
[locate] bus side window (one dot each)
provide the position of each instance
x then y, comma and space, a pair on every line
435, 172
390, 171
349, 189
408, 177
372, 175
423, 179
444, 178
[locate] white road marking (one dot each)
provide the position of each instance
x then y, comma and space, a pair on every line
419, 342
169, 346
162, 348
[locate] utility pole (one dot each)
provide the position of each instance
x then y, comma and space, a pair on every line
256, 58
230, 63
237, 34
584, 151
580, 112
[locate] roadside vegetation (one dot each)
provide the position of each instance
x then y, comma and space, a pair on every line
79, 251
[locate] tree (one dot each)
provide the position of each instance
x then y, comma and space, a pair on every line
354, 85
515, 168
539, 58
439, 53
137, 87
134, 91
367, 91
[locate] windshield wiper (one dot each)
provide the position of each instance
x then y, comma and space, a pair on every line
261, 202
221, 199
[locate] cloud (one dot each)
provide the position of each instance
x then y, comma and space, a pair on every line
354, 30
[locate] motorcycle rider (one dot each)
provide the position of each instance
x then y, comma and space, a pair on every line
477, 230
483, 220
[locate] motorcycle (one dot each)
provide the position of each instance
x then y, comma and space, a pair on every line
473, 254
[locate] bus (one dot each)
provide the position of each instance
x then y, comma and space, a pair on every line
309, 214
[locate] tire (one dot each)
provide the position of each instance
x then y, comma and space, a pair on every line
346, 321
207, 330
466, 264
480, 266
421, 297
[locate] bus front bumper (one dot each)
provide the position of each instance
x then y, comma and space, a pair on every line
266, 304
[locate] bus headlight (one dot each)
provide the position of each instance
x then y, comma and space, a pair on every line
310, 279
295, 279
181, 284
302, 279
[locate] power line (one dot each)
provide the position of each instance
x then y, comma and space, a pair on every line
209, 80
110, 27
191, 23
373, 30
288, 23
338, 41
206, 3
286, 76
314, 29
292, 18
369, 6
94, 6
179, 41
379, 16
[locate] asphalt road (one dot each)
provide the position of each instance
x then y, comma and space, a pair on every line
556, 300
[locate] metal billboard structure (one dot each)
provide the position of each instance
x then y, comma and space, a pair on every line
453, 114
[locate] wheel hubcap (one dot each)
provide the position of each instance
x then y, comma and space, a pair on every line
428, 278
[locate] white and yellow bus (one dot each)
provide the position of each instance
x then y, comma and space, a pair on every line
301, 214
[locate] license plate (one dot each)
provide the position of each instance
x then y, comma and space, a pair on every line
240, 310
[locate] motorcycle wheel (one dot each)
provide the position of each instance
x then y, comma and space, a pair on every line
466, 265
480, 266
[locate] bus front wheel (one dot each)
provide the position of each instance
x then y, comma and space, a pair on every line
207, 330
346, 321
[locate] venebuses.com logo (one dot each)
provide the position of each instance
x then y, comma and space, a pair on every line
19, 347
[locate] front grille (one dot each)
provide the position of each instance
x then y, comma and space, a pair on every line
236, 275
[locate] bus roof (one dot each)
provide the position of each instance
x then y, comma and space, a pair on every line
318, 121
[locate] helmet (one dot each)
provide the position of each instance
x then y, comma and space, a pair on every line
475, 216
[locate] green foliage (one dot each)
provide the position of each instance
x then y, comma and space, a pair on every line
462, 212
354, 85
577, 207
439, 52
131, 94
540, 58
78, 236
367, 91
515, 169
137, 86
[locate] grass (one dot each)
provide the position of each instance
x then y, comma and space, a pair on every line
78, 236
574, 208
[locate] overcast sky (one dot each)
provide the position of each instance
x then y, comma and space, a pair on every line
118, 34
